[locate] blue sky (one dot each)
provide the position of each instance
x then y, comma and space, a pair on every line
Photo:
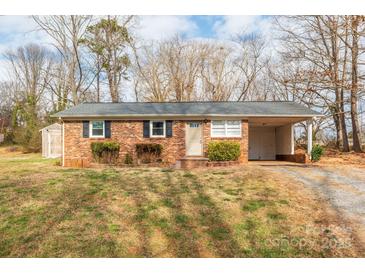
217, 27
206, 24
17, 31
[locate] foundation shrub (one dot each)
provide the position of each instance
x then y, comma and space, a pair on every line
105, 152
223, 151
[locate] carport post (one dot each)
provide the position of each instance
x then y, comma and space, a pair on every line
309, 137
292, 148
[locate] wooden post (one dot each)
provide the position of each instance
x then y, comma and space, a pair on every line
309, 137
292, 149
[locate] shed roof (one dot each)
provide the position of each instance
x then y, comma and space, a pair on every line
137, 109
52, 126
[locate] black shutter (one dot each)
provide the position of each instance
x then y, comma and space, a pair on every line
108, 130
85, 129
146, 129
168, 128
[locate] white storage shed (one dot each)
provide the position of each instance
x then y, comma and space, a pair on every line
52, 141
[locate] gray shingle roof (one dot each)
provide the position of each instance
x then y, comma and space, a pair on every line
246, 109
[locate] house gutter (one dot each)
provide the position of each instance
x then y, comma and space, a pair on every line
186, 116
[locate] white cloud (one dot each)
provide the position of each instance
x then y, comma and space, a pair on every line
16, 24
161, 27
231, 25
16, 31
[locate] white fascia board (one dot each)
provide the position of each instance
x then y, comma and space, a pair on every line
183, 117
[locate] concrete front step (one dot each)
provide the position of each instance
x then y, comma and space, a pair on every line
196, 162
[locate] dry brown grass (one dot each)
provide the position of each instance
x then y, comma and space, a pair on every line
49, 211
335, 157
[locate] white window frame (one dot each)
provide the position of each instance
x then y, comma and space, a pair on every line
91, 129
225, 130
151, 129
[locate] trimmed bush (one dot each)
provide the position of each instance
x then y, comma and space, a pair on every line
128, 160
105, 152
148, 153
316, 153
223, 151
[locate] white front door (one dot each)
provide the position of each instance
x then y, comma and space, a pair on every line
193, 139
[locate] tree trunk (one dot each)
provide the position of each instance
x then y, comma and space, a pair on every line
338, 130
342, 126
98, 79
354, 84
345, 140
338, 91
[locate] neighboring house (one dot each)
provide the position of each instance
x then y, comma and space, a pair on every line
52, 141
263, 129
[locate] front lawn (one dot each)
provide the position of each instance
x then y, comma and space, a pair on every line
50, 211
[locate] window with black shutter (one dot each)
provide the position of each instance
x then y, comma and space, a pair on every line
146, 129
168, 128
108, 130
85, 129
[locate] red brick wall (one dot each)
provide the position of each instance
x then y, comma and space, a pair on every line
128, 133
243, 140
296, 158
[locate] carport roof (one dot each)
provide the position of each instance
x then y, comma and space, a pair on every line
189, 109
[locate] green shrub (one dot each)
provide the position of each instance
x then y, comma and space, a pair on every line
28, 138
105, 152
128, 160
316, 153
149, 152
223, 151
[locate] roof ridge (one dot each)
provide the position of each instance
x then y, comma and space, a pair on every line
190, 102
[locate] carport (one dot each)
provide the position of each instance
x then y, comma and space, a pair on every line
272, 138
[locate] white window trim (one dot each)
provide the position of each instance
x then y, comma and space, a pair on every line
225, 130
164, 129
91, 129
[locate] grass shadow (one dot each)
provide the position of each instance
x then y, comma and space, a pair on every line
210, 216
180, 231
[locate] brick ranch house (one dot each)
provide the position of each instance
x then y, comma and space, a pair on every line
265, 130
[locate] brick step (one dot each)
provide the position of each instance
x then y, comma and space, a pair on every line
194, 158
196, 162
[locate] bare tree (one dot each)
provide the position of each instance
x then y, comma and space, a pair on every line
219, 79
58, 86
170, 70
249, 62
66, 33
30, 67
150, 78
315, 41
182, 61
356, 23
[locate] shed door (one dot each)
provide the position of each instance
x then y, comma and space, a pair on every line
261, 143
55, 143
194, 143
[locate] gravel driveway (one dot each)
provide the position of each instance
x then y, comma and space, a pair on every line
342, 186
